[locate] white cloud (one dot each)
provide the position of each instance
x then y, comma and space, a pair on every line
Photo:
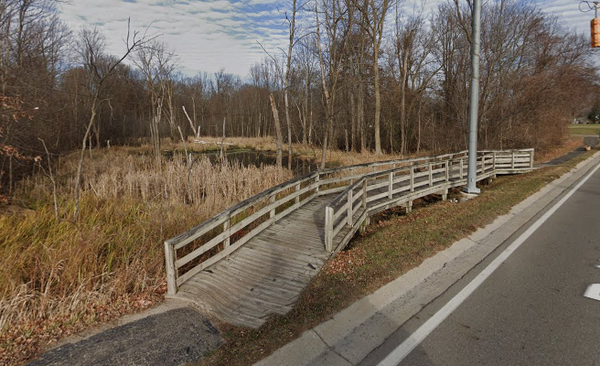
207, 35
210, 35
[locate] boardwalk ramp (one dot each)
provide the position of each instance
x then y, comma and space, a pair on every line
255, 258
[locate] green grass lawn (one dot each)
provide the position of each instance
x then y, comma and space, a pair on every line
592, 129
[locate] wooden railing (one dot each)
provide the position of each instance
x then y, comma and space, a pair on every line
213, 240
380, 190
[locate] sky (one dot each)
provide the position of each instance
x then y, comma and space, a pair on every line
210, 35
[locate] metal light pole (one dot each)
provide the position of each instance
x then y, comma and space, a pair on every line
474, 101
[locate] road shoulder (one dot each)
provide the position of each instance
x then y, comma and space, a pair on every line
349, 336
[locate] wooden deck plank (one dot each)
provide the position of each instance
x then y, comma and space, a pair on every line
288, 279
243, 302
292, 242
280, 271
283, 262
277, 231
305, 253
263, 284
279, 266
287, 254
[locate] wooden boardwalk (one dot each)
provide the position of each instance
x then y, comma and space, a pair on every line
255, 259
267, 275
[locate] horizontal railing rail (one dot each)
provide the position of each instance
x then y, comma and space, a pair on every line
198, 248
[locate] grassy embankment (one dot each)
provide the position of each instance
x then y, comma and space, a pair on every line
393, 244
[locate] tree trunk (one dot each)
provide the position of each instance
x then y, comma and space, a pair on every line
289, 127
82, 155
279, 136
403, 80
377, 102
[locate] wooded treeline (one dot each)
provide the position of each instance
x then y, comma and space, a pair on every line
358, 74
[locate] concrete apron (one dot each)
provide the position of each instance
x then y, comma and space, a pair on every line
353, 333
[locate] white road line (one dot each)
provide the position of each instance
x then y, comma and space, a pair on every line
398, 354
593, 291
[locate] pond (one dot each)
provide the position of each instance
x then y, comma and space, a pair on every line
248, 157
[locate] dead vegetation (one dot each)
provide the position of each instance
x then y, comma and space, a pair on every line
63, 275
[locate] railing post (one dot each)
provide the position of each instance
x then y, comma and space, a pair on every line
350, 207
351, 174
329, 228
390, 184
298, 197
494, 162
226, 226
412, 177
531, 158
364, 195
483, 162
171, 269
272, 212
512, 160
430, 175
317, 182
462, 163
447, 170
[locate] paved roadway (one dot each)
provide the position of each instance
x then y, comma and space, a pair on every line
531, 310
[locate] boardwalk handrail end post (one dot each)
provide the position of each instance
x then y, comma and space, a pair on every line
171, 268
531, 158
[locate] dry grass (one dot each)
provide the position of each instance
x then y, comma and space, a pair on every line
60, 276
569, 145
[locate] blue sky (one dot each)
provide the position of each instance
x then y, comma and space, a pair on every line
210, 35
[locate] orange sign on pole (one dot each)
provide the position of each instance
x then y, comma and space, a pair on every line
595, 28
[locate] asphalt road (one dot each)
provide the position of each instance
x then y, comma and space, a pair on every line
531, 310
175, 337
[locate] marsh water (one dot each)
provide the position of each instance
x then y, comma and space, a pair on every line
248, 157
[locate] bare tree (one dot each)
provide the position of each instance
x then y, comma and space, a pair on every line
337, 22
279, 137
157, 65
90, 48
286, 89
375, 12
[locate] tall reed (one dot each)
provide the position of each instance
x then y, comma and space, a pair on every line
58, 276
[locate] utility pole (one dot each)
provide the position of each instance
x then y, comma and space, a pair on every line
474, 101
